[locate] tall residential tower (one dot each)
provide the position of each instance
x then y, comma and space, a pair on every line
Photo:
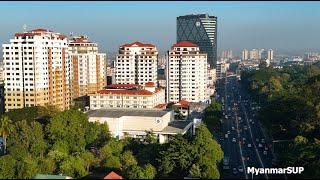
200, 29
187, 76
36, 70
88, 67
136, 63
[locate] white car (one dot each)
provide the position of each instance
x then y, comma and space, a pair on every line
249, 145
266, 148
260, 145
234, 140
228, 132
245, 127
265, 153
233, 128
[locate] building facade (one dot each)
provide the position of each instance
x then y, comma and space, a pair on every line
136, 63
187, 75
200, 29
37, 70
88, 72
245, 54
270, 54
135, 122
128, 96
254, 54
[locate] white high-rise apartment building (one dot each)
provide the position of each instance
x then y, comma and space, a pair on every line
245, 54
36, 70
254, 54
270, 54
187, 76
88, 67
136, 63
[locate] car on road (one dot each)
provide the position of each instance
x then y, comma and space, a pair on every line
228, 132
262, 140
250, 120
249, 145
226, 135
266, 148
265, 153
245, 127
240, 168
234, 171
243, 139
260, 145
234, 140
232, 128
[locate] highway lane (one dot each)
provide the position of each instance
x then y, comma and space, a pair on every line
239, 115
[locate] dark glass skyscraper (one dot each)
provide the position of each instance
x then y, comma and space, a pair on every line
200, 29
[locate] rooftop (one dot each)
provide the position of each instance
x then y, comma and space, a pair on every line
48, 176
117, 113
185, 44
177, 127
122, 86
113, 175
138, 44
126, 92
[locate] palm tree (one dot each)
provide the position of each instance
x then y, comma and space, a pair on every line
6, 128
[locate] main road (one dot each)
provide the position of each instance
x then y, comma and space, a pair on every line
243, 139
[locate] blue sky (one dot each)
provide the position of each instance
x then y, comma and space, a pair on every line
281, 25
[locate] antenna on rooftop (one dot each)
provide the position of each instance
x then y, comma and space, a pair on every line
24, 27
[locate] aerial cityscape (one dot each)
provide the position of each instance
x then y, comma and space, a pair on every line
159, 90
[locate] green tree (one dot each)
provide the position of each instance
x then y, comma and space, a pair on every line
74, 167
89, 159
7, 167
6, 128
69, 126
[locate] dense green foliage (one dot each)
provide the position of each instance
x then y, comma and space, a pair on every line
290, 110
47, 141
212, 116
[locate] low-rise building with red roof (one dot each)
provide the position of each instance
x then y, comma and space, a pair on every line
128, 96
113, 175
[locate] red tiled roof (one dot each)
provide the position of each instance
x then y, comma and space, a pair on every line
139, 44
161, 106
39, 30
123, 86
125, 92
27, 34
150, 84
185, 44
182, 103
113, 175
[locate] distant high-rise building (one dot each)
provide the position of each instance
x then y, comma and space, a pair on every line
1, 72
254, 54
263, 54
136, 63
88, 67
270, 54
226, 54
245, 54
37, 70
200, 29
187, 75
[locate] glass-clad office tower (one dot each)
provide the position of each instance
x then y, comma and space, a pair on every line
200, 29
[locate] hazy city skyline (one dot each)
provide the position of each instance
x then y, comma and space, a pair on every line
278, 25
